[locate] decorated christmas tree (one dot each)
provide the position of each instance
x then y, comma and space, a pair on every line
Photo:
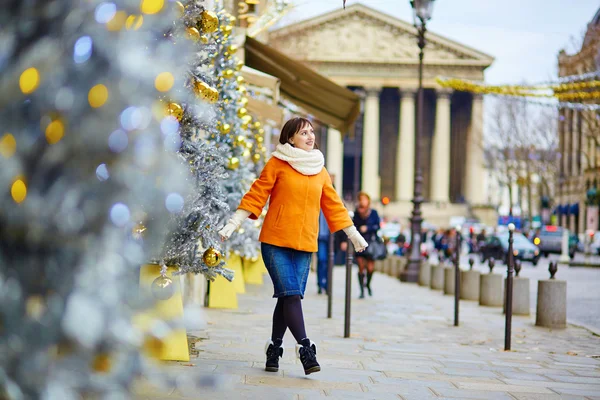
86, 158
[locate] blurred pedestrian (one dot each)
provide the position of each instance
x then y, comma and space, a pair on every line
322, 254
298, 186
367, 222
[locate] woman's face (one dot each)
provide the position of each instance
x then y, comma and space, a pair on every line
363, 202
304, 139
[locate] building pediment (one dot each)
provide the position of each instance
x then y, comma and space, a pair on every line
360, 34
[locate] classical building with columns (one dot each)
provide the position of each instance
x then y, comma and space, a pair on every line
376, 55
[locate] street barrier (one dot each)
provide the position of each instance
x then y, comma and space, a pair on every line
491, 288
521, 294
551, 311
456, 270
470, 283
437, 277
425, 274
449, 281
349, 261
330, 264
508, 297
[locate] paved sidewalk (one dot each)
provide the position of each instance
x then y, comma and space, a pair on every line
403, 346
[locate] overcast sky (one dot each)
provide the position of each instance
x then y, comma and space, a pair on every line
524, 36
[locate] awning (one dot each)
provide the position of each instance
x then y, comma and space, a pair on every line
266, 109
332, 104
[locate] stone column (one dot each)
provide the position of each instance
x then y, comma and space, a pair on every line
405, 156
440, 156
475, 172
370, 153
335, 157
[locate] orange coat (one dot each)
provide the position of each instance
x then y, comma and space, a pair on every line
296, 200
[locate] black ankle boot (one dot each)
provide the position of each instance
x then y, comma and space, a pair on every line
361, 282
307, 353
369, 277
274, 350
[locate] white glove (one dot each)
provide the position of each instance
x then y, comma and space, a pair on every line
234, 223
356, 238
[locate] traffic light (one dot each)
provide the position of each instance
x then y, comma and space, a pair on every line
385, 200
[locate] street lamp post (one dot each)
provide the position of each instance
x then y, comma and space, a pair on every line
422, 10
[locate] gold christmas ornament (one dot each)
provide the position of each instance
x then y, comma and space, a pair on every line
204, 39
246, 119
162, 288
240, 79
228, 73
259, 139
232, 49
213, 95
192, 33
234, 163
261, 131
242, 89
225, 128
240, 140
175, 110
210, 21
212, 257
257, 125
239, 65
243, 101
101, 363
256, 157
241, 112
180, 8
246, 153
153, 347
226, 30
249, 145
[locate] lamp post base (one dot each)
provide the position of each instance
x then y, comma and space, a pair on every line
411, 272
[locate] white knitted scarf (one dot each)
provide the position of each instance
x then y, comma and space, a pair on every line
306, 162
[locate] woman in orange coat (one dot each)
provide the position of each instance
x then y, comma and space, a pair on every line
299, 187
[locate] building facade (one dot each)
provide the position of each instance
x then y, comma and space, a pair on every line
579, 135
376, 55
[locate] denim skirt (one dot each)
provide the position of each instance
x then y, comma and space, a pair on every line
288, 269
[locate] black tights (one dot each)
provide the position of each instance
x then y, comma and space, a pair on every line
288, 314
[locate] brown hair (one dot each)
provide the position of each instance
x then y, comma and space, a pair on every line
363, 194
291, 127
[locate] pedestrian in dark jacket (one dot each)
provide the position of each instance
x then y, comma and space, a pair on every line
322, 254
367, 222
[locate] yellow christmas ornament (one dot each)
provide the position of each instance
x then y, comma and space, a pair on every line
240, 140
228, 73
226, 30
242, 111
234, 163
192, 33
204, 39
102, 363
232, 49
162, 288
257, 125
239, 65
256, 157
210, 21
213, 95
212, 257
180, 8
246, 119
240, 79
151, 6
225, 128
175, 110
243, 101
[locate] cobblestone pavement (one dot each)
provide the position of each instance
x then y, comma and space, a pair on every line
403, 345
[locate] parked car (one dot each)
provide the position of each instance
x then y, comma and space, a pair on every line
496, 247
549, 240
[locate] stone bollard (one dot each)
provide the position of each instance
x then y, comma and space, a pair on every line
520, 300
437, 277
394, 266
402, 262
491, 288
385, 265
469, 283
425, 274
449, 281
379, 265
551, 309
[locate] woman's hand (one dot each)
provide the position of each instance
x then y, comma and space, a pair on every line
227, 230
356, 238
363, 228
233, 224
